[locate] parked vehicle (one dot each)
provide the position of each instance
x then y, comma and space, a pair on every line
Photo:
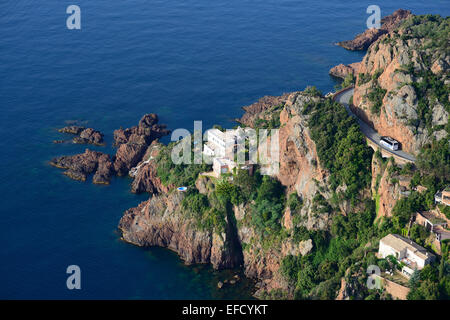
389, 143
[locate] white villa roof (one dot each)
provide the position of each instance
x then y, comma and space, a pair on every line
224, 161
399, 243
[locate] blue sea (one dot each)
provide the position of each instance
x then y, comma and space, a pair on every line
184, 60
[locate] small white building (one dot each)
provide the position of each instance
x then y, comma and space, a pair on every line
223, 165
404, 250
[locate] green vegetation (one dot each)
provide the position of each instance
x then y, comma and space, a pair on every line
294, 202
207, 217
363, 78
177, 174
434, 28
272, 123
433, 163
429, 89
376, 96
433, 281
347, 82
347, 245
268, 207
341, 147
419, 234
312, 91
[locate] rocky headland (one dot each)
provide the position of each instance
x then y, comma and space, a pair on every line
330, 178
363, 40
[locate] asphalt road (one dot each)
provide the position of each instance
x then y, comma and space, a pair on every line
344, 98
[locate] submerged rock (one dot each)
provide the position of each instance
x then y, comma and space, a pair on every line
83, 135
72, 129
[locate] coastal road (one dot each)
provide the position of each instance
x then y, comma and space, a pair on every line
344, 98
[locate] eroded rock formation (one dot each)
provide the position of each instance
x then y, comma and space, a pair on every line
386, 92
161, 221
79, 166
341, 70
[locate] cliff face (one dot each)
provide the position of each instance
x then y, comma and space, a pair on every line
385, 190
300, 168
161, 221
145, 173
301, 173
394, 87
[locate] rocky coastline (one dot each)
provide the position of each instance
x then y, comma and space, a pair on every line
363, 40
164, 221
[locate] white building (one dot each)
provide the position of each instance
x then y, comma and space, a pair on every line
406, 251
222, 144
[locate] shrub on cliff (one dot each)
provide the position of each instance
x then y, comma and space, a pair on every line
432, 27
376, 96
294, 202
434, 161
312, 91
177, 174
405, 207
247, 183
266, 217
229, 192
341, 147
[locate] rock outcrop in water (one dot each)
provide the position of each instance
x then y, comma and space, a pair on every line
79, 166
72, 129
341, 70
132, 143
89, 136
83, 135
363, 40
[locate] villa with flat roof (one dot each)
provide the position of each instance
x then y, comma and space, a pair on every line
221, 147
413, 256
222, 144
